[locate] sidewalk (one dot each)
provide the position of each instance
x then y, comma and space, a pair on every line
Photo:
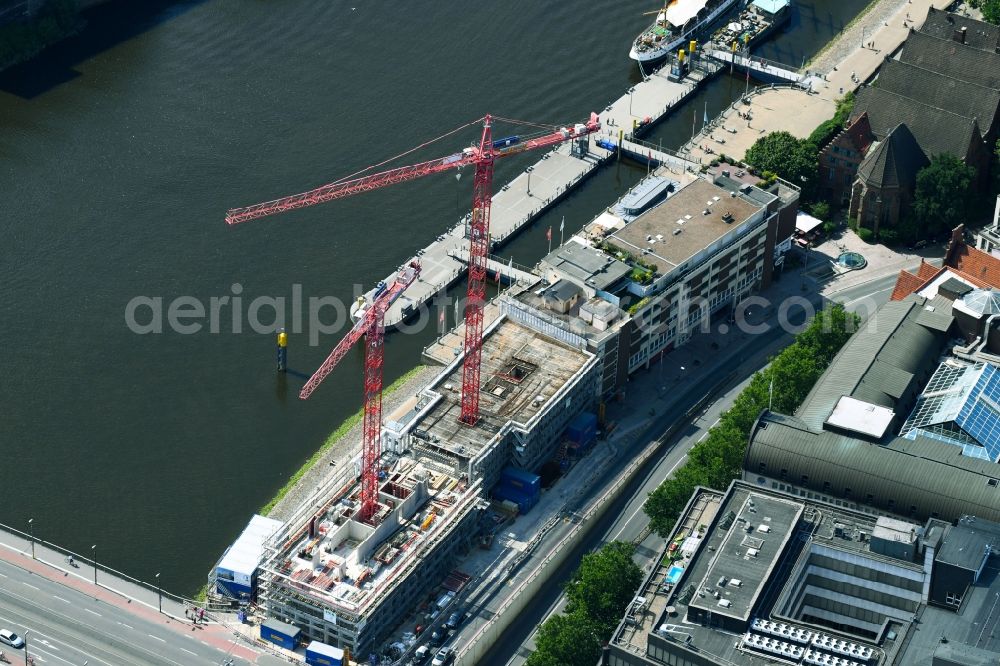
843, 66
133, 598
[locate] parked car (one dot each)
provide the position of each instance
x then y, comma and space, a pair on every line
10, 638
421, 655
444, 657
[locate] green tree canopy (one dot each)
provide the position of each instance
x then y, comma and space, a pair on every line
718, 459
604, 584
793, 159
943, 194
566, 640
991, 10
599, 592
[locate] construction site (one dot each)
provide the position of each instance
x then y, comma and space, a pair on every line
346, 579
357, 557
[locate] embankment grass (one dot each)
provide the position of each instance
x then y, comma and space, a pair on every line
332, 439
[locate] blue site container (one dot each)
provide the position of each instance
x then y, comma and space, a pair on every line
525, 499
520, 479
321, 654
280, 633
582, 430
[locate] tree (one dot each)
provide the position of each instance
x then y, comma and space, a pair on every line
793, 159
991, 11
604, 584
718, 459
944, 190
566, 640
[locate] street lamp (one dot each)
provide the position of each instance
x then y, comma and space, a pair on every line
159, 593
31, 531
27, 659
863, 28
529, 170
93, 551
630, 91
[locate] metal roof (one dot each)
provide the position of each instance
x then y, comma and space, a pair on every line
879, 364
930, 476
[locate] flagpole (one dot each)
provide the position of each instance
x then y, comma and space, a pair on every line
562, 225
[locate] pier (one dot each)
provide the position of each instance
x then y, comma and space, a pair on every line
519, 202
761, 69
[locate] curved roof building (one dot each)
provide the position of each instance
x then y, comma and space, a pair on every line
920, 478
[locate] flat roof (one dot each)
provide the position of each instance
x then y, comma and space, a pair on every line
521, 371
683, 213
749, 553
586, 265
966, 544
860, 416
806, 223
245, 554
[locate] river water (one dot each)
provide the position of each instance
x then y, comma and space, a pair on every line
122, 148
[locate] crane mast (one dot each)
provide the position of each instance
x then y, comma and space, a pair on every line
371, 325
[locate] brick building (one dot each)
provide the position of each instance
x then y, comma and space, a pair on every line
839, 160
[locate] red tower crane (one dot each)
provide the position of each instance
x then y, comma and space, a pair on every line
482, 156
371, 325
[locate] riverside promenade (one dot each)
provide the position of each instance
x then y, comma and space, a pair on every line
849, 60
555, 174
81, 612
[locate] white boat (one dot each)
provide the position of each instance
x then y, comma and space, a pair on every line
675, 24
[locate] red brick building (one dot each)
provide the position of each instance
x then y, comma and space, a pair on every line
839, 160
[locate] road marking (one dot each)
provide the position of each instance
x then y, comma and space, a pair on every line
3, 575
157, 638
30, 585
65, 601
125, 625
639, 508
93, 612
188, 651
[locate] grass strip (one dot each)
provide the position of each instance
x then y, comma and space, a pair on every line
333, 438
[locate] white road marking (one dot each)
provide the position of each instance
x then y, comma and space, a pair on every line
56, 596
157, 638
31, 586
125, 625
188, 651
639, 508
93, 612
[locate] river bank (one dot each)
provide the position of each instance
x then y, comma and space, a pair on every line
342, 444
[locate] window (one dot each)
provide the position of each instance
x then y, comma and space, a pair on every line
869, 498
826, 486
953, 599
847, 493
762, 467
913, 510
992, 482
761, 480
892, 505
805, 479
784, 474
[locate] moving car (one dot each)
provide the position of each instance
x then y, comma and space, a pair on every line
10, 638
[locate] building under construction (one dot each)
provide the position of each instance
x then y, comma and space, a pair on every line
348, 582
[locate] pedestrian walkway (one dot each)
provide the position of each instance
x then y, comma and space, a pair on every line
850, 60
136, 597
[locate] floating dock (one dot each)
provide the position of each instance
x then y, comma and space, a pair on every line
556, 174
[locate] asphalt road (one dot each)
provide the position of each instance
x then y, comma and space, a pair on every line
626, 521
65, 626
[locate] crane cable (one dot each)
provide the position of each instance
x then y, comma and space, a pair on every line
411, 150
